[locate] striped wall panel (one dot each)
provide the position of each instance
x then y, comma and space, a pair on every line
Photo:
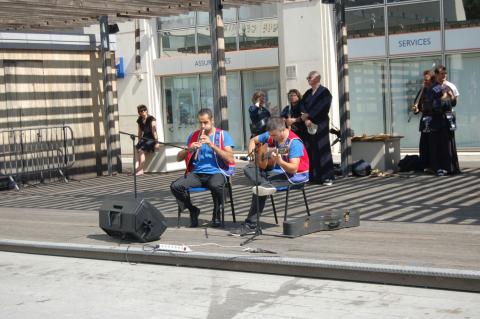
47, 88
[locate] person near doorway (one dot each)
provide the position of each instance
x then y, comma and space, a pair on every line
147, 137
209, 160
292, 114
259, 114
315, 106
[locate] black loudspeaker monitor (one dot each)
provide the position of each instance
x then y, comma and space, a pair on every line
136, 219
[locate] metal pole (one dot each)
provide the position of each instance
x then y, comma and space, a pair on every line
138, 58
219, 74
107, 88
134, 168
343, 87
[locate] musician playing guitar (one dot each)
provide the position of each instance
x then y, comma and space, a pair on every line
290, 165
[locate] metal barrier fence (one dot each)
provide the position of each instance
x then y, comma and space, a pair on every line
36, 154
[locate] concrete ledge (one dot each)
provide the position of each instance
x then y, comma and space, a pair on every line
163, 160
464, 280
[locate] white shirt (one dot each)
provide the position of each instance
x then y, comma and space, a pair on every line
453, 87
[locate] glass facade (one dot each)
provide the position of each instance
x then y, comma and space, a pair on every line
413, 17
258, 34
368, 22
267, 81
464, 71
183, 96
367, 94
248, 27
178, 42
391, 43
406, 81
461, 14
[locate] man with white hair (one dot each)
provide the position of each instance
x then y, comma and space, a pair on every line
315, 105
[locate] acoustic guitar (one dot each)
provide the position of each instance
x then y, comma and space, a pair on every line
264, 158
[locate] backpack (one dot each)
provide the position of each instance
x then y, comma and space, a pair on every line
361, 168
410, 163
6, 183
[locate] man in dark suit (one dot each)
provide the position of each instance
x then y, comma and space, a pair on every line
315, 105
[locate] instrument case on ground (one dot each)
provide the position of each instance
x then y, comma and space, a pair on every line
328, 220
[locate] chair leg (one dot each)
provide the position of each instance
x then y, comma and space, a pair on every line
286, 204
274, 209
222, 206
306, 203
181, 208
179, 213
232, 206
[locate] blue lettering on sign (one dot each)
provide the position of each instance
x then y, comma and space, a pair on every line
204, 63
414, 42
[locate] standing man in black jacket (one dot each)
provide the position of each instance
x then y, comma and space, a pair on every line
315, 106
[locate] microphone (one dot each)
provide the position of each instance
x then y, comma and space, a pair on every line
198, 140
336, 141
335, 132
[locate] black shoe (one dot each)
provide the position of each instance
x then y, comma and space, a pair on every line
440, 172
216, 222
327, 182
194, 217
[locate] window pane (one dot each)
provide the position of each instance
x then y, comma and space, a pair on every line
367, 97
229, 15
178, 21
357, 3
234, 102
414, 17
203, 18
464, 72
258, 34
365, 23
406, 80
204, 39
393, 1
177, 42
257, 12
461, 14
181, 107
266, 81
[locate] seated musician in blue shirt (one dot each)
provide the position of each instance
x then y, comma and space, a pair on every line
290, 166
209, 160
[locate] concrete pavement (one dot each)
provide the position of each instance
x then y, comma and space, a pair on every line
407, 220
41, 287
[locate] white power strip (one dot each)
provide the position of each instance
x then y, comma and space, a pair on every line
167, 247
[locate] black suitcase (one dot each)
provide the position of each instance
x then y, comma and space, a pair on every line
328, 220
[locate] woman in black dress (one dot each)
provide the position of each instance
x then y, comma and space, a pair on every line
147, 137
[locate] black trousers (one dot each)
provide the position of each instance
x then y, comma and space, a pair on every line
214, 182
264, 177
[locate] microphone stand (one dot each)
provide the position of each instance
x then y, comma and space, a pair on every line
258, 229
133, 136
